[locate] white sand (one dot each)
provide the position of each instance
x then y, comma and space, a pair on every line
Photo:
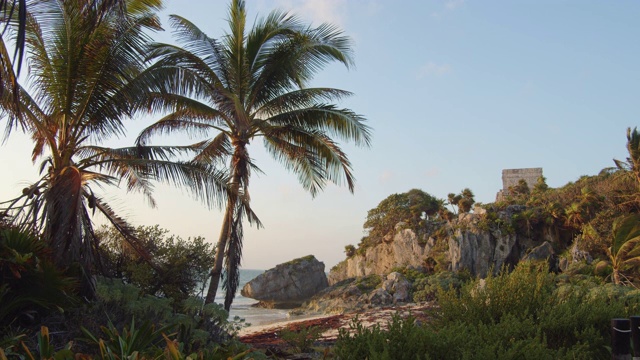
260, 328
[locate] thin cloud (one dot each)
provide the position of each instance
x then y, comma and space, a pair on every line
449, 5
453, 4
432, 172
386, 176
433, 69
317, 11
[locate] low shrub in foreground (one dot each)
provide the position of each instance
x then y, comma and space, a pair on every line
119, 311
519, 315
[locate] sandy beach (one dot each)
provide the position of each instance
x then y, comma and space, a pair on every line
267, 335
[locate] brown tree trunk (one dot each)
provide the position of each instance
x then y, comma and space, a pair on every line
216, 270
239, 172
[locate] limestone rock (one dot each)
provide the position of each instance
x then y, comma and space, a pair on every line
379, 297
405, 249
580, 255
479, 251
542, 252
289, 284
545, 252
472, 242
398, 287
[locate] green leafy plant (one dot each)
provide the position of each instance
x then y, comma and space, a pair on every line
624, 252
525, 314
178, 270
302, 339
129, 343
30, 284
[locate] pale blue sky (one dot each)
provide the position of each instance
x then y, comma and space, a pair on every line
455, 91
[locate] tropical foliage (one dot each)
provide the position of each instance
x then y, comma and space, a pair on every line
624, 252
411, 207
30, 285
526, 314
462, 201
251, 84
179, 268
85, 62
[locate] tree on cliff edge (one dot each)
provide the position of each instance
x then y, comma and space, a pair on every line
251, 84
409, 207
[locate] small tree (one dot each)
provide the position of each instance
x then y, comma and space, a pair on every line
540, 185
177, 267
463, 201
350, 250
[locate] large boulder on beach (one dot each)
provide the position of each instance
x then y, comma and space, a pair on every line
288, 285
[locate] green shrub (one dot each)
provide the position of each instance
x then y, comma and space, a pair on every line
368, 283
176, 268
426, 288
303, 339
410, 273
523, 291
30, 285
526, 314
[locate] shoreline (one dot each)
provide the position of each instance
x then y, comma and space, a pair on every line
267, 335
249, 330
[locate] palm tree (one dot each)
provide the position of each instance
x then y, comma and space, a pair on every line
86, 59
14, 13
249, 85
624, 252
632, 163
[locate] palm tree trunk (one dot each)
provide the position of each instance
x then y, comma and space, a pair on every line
239, 172
216, 271
616, 276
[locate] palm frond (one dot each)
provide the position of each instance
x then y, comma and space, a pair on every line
187, 120
341, 123
233, 255
214, 151
626, 230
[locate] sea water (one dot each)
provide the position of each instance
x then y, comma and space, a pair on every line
242, 306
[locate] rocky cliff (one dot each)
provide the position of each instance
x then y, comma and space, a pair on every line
472, 242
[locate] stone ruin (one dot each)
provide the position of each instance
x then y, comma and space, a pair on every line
511, 177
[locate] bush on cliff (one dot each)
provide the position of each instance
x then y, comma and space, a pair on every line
411, 207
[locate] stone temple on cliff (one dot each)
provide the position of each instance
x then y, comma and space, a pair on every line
511, 177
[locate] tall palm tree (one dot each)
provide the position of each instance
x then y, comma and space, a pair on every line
248, 85
86, 58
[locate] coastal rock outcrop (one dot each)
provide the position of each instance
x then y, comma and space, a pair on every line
288, 285
403, 249
472, 242
477, 250
357, 294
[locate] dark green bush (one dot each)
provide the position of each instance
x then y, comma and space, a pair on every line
426, 288
30, 285
176, 268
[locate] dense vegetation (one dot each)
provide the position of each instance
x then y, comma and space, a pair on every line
529, 313
92, 65
69, 290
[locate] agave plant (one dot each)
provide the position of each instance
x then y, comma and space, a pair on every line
86, 58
